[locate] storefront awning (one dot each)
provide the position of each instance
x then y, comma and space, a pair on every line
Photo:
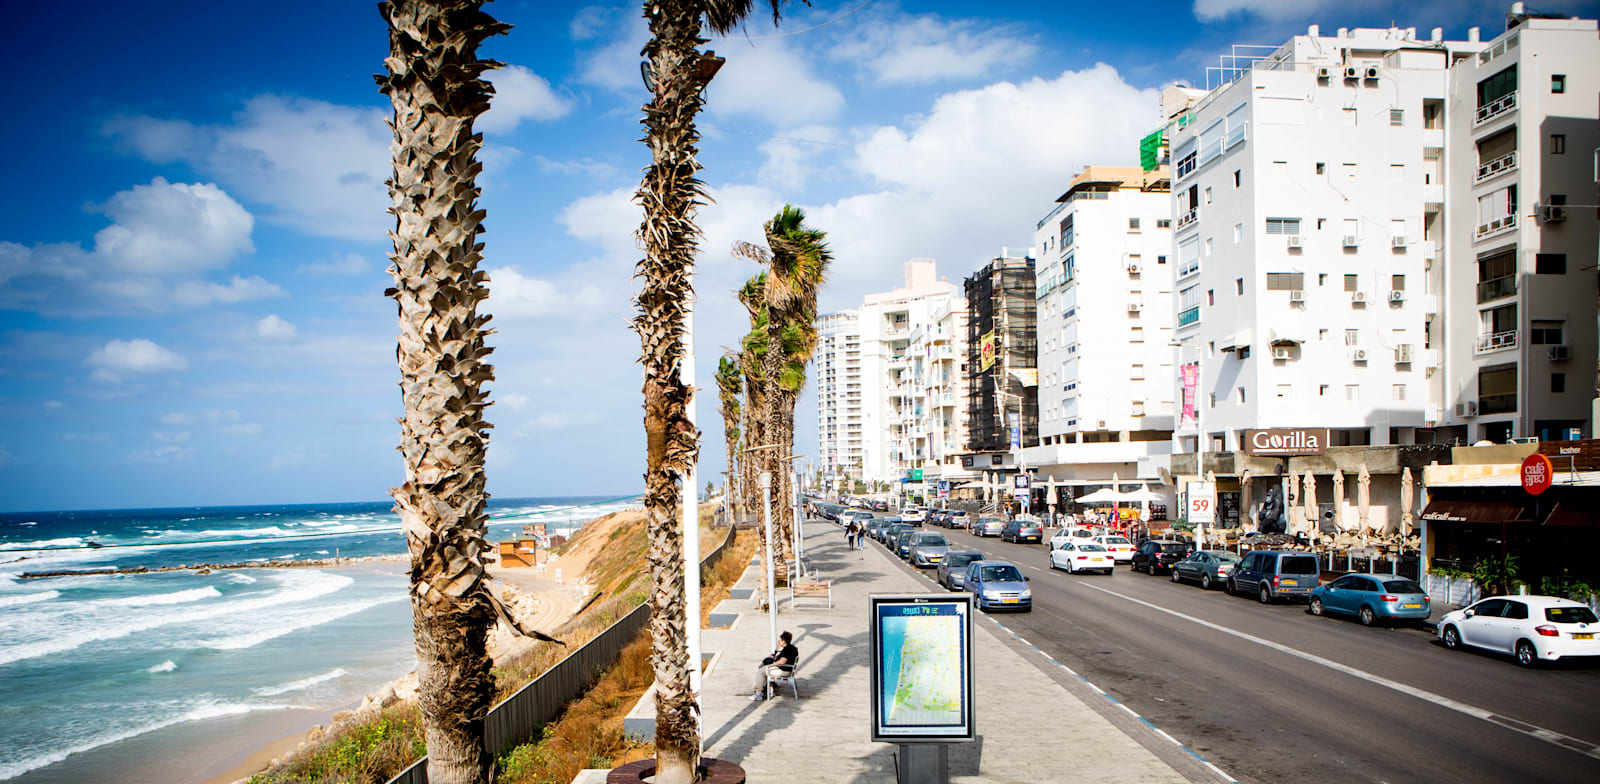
1574, 515
1493, 512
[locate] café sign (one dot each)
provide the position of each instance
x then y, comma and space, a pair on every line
1286, 441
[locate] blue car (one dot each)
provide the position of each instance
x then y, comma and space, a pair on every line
998, 585
1372, 598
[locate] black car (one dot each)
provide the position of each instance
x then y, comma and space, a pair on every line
883, 527
1155, 556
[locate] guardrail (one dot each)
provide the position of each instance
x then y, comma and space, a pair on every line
519, 716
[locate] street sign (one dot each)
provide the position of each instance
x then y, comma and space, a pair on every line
1537, 473
1201, 500
944, 488
921, 667
1019, 487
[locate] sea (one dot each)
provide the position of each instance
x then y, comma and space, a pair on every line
166, 677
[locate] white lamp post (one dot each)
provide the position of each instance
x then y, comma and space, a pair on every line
772, 604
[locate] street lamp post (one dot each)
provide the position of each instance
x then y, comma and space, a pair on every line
772, 604
1014, 446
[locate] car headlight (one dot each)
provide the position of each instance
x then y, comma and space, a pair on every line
991, 594
1027, 593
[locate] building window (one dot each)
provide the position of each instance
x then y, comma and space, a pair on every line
1238, 287
1238, 231
1322, 390
1133, 224
1558, 144
1550, 263
1498, 86
1240, 392
1558, 83
1352, 392
1351, 283
1163, 223
1136, 372
1283, 390
1137, 336
1285, 281
1208, 194
1208, 247
1397, 283
1322, 168
1397, 117
1547, 333
1211, 400
1399, 392
1558, 383
1350, 171
1211, 298
1237, 179
1161, 259
1283, 225
1497, 389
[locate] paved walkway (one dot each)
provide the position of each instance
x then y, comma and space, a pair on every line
1035, 721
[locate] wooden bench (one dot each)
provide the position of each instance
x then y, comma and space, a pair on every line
820, 590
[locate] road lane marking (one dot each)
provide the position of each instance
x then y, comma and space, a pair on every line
1532, 731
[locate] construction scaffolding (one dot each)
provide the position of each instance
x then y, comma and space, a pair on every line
1002, 351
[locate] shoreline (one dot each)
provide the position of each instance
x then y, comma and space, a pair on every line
207, 568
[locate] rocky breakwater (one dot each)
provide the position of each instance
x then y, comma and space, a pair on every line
207, 568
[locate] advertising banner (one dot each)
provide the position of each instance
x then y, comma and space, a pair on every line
986, 351
1191, 381
1016, 438
1019, 486
1201, 500
921, 667
944, 488
1286, 441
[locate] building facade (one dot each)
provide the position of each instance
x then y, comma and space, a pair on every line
837, 370
1002, 362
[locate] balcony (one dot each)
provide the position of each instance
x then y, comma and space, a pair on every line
1499, 165
1496, 341
1497, 288
1187, 218
1495, 108
1497, 226
1190, 316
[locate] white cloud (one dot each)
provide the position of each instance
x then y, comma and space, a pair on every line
906, 49
585, 167
520, 94
177, 418
615, 65
513, 295
175, 437
749, 84
119, 358
53, 405
199, 293
171, 453
515, 401
248, 429
271, 327
589, 21
173, 228
348, 264
790, 153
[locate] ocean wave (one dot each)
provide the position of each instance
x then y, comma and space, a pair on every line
300, 620
176, 597
38, 544
286, 557
199, 712
239, 579
303, 683
166, 666
16, 600
297, 588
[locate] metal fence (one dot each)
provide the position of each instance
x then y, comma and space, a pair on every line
518, 717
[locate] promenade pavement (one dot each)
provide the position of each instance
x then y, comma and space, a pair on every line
1036, 722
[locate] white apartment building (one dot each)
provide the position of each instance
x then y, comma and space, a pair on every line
1517, 336
1307, 201
837, 374
913, 345
1105, 321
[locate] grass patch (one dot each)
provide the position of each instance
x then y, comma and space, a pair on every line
369, 751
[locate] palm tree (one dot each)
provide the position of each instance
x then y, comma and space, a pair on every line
751, 349
669, 193
434, 83
729, 385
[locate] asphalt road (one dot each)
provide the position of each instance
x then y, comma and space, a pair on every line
1273, 694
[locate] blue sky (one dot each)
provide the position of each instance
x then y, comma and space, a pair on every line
192, 234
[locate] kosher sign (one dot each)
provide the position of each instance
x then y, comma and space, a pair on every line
921, 667
1286, 441
1537, 473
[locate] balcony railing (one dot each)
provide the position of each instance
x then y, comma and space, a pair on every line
1497, 341
1497, 288
1503, 163
1190, 316
1495, 108
1187, 218
1503, 223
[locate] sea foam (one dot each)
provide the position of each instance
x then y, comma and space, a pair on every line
176, 597
16, 600
303, 683
166, 666
273, 628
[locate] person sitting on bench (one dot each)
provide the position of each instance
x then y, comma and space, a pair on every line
774, 666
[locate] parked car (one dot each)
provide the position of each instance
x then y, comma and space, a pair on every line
928, 550
883, 526
1076, 556
998, 585
1372, 598
913, 515
952, 571
1158, 555
880, 506
902, 543
1070, 535
1022, 529
1531, 628
1275, 574
892, 533
937, 517
960, 520
988, 526
1207, 567
1119, 547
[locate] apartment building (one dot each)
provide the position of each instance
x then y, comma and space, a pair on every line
1517, 336
1002, 363
1105, 321
837, 377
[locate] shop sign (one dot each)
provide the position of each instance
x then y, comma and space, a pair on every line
1573, 455
1286, 441
1020, 487
1537, 473
1201, 498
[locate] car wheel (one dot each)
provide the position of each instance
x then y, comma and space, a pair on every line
1316, 606
1526, 655
1451, 637
1175, 575
1265, 595
1231, 588
1205, 582
1366, 616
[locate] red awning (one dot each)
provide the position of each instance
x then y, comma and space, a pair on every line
1492, 512
1572, 514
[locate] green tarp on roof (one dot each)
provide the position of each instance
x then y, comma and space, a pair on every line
1150, 149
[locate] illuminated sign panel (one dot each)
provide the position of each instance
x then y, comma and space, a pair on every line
921, 667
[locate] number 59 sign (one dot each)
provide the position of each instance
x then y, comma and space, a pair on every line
1202, 502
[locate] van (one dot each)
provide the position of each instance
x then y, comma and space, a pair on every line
1275, 574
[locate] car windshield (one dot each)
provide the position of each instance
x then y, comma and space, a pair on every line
962, 559
1114, 540
1007, 573
1569, 614
1225, 557
931, 539
1401, 586
1091, 548
1175, 548
1300, 564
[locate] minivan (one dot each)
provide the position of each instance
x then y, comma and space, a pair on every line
1275, 574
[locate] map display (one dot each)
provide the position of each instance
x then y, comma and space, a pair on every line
922, 684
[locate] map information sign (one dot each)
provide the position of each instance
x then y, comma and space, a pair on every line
921, 668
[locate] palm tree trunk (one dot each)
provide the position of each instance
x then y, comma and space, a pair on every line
434, 85
669, 194
772, 365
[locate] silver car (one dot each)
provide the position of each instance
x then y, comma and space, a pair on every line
927, 550
988, 526
952, 570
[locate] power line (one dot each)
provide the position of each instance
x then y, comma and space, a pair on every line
795, 32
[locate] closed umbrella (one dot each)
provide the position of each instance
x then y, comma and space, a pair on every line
1292, 502
1310, 502
1244, 501
1338, 499
1364, 497
1405, 502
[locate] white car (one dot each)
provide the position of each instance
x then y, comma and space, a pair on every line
1531, 628
913, 514
1071, 535
1119, 547
1075, 556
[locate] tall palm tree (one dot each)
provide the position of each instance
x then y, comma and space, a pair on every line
751, 349
670, 193
434, 83
729, 385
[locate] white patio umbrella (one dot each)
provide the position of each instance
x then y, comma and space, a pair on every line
1244, 501
1405, 501
1338, 499
1310, 503
1364, 497
1292, 502
1104, 495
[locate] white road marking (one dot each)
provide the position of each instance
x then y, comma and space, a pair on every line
1548, 736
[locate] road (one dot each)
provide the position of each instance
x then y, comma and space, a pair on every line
1271, 693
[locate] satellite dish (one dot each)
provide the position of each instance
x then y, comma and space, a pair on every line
1484, 442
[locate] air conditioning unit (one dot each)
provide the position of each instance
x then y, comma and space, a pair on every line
1397, 296
1324, 72
1133, 267
1402, 353
1466, 409
1358, 297
1351, 240
1552, 213
1397, 242
1293, 240
1352, 72
1358, 355
1297, 295
1372, 72
1134, 307
1559, 353
1280, 352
